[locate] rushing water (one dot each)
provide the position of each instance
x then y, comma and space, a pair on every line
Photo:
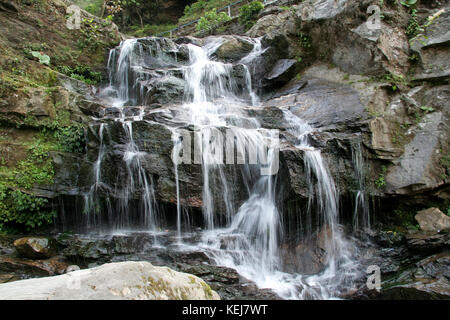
247, 238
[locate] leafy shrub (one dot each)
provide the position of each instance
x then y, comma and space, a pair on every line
92, 6
248, 14
90, 34
71, 138
23, 210
82, 73
381, 181
36, 168
19, 208
198, 9
212, 20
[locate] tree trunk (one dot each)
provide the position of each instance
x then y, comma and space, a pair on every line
140, 18
102, 14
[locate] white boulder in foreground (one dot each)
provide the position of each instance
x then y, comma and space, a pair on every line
113, 281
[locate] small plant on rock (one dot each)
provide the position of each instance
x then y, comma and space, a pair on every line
381, 181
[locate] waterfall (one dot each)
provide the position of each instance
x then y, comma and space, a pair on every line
243, 222
323, 195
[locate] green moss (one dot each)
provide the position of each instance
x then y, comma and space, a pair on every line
207, 289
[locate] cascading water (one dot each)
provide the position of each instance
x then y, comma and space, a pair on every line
361, 215
246, 238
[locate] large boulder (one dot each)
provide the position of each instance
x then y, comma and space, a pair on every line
432, 219
113, 281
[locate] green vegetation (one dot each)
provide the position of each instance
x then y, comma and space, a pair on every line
305, 40
63, 134
419, 31
426, 109
409, 3
211, 20
89, 35
199, 9
29, 82
92, 6
248, 14
381, 181
81, 72
150, 29
413, 28
70, 138
20, 209
394, 80
405, 219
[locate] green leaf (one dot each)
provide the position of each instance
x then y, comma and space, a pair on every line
43, 58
